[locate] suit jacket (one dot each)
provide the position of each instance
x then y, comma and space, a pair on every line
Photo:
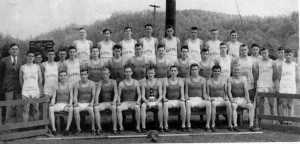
9, 74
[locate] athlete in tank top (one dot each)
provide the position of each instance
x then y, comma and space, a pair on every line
84, 95
83, 47
224, 61
50, 73
106, 97
172, 45
195, 45
106, 46
183, 63
139, 63
149, 44
195, 95
173, 96
129, 97
62, 100
95, 65
233, 45
205, 64
162, 63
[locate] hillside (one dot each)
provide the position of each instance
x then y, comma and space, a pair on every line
270, 32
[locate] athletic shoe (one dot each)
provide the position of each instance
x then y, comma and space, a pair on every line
252, 129
235, 129
166, 130
213, 129
189, 129
93, 132
66, 133
99, 131
138, 130
144, 130
161, 129
54, 133
206, 129
114, 132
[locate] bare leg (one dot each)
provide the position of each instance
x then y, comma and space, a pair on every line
137, 116
188, 114
143, 115
70, 116
183, 114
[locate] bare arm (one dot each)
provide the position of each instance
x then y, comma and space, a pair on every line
71, 95
164, 90
277, 82
178, 47
40, 78
255, 72
53, 99
207, 88
120, 92
155, 45
246, 90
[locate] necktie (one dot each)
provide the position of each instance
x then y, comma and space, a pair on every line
14, 60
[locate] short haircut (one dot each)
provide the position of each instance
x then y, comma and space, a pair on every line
151, 67
280, 49
94, 47
62, 71
37, 53
194, 65
214, 29
105, 30
222, 43
161, 46
148, 25
72, 47
173, 66
194, 28
81, 28
288, 51
138, 45
128, 66
62, 49
12, 45
204, 50
232, 31
184, 47
216, 66
128, 27
105, 68
50, 50
117, 46
243, 45
254, 45
264, 49
30, 52
170, 26
84, 70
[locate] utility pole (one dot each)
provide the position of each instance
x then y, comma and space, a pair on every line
154, 12
171, 13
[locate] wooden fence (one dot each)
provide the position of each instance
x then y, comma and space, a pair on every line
9, 131
261, 115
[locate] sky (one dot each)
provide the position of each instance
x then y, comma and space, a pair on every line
28, 18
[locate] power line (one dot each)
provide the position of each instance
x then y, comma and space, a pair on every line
239, 12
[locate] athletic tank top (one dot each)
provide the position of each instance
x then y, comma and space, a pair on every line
106, 51
195, 88
246, 70
214, 47
171, 49
265, 78
151, 91
183, 68
50, 76
94, 68
173, 91
225, 63
288, 78
83, 49
205, 68
234, 48
30, 80
62, 66
139, 68
73, 71
85, 93
62, 94
127, 49
129, 92
194, 49
162, 68
107, 92
117, 71
149, 48
237, 89
217, 90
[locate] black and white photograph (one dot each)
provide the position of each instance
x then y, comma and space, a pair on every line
149, 71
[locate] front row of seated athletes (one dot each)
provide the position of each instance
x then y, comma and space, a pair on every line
152, 93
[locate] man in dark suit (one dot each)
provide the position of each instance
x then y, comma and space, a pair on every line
9, 78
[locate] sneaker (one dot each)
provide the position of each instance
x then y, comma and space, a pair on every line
206, 129
66, 133
235, 129
93, 132
189, 129
182, 129
213, 129
161, 129
138, 130
54, 133
166, 129
99, 132
230, 129
252, 129
144, 130
114, 132
77, 132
